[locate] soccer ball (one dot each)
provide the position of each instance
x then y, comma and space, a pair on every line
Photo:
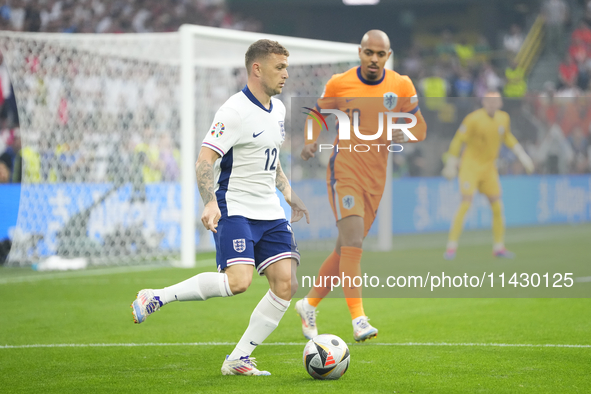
326, 356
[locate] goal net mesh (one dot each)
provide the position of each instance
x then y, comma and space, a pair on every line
100, 129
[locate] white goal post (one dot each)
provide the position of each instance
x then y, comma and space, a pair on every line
201, 60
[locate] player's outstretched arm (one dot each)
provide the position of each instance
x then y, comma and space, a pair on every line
516, 147
450, 170
204, 168
524, 158
298, 208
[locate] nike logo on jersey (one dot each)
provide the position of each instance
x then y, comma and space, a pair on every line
254, 343
254, 135
349, 100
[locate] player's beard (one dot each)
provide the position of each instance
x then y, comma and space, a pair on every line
270, 91
373, 75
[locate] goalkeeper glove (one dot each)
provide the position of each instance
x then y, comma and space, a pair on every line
450, 170
523, 157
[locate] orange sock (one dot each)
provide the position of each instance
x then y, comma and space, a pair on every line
351, 266
330, 267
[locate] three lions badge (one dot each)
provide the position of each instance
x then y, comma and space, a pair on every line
239, 245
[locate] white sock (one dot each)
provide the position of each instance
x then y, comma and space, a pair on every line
264, 319
307, 306
453, 245
498, 247
198, 288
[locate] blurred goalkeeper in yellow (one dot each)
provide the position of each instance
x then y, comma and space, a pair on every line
482, 131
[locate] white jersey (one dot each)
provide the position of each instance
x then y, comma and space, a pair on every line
248, 137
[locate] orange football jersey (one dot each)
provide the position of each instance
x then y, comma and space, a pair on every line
365, 100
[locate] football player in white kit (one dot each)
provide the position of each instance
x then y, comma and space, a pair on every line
242, 208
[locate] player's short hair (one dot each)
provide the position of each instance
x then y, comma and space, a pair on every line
492, 92
261, 49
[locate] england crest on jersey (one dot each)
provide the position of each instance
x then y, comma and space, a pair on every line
390, 100
239, 245
282, 128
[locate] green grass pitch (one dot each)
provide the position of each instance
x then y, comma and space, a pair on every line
425, 345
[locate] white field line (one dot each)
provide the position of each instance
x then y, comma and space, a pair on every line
123, 270
152, 344
87, 273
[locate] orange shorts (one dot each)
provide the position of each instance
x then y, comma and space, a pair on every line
351, 200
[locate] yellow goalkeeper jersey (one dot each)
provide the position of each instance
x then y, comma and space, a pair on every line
483, 136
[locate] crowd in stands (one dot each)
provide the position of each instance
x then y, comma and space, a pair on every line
462, 68
564, 107
152, 153
574, 73
118, 16
456, 67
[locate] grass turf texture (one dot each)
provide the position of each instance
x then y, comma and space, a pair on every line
93, 307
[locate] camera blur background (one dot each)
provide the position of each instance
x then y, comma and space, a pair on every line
85, 127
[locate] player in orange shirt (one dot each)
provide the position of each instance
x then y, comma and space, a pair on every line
356, 179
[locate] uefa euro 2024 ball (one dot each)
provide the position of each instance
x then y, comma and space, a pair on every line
326, 357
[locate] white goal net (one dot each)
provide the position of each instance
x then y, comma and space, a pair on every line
110, 127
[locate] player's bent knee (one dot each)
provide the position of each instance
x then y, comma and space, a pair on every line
282, 290
294, 285
493, 199
354, 242
467, 197
280, 277
239, 286
239, 278
281, 286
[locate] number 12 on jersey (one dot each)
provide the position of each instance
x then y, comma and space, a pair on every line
271, 153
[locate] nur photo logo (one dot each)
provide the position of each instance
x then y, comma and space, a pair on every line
386, 121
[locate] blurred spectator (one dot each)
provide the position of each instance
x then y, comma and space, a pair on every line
513, 40
555, 153
568, 92
70, 160
412, 64
568, 71
587, 12
482, 49
579, 140
5, 168
487, 81
582, 32
17, 171
433, 87
580, 145
170, 158
578, 50
583, 75
116, 16
8, 111
8, 149
463, 85
555, 14
447, 46
148, 154
465, 52
17, 14
515, 85
32, 17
